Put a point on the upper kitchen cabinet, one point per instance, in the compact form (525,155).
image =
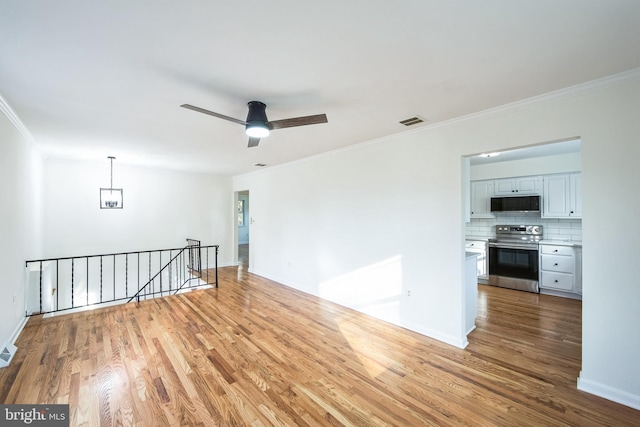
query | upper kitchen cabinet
(575,194)
(481,193)
(562,196)
(518,186)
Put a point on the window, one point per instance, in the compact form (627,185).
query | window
(240,213)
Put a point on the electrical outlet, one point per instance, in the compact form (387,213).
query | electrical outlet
(409,293)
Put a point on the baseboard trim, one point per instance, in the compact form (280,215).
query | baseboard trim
(436,335)
(18,330)
(610,393)
(8,349)
(227,264)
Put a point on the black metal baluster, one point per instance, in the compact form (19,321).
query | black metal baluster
(113,297)
(146,291)
(216,266)
(126,276)
(160,265)
(87,281)
(72,287)
(40,286)
(57,287)
(100,278)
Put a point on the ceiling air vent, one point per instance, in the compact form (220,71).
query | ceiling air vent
(412,121)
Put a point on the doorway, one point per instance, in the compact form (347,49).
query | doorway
(243,222)
(481,174)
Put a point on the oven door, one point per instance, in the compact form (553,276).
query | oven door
(513,261)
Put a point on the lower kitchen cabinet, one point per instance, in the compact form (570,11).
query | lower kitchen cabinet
(561,270)
(479,247)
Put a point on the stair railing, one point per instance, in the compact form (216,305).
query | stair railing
(59,284)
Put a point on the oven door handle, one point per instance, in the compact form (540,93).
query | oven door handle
(513,246)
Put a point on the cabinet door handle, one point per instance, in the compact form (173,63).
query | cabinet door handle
(555,250)
(555,263)
(556,280)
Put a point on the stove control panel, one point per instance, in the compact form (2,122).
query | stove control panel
(518,230)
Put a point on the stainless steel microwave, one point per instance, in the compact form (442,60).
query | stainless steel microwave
(515,204)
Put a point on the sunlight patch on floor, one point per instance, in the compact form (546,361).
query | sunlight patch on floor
(375,290)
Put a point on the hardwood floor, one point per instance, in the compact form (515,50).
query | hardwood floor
(254,352)
(243,255)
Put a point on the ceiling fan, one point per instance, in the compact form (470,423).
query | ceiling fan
(257,126)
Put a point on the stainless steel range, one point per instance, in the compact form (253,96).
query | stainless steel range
(513,257)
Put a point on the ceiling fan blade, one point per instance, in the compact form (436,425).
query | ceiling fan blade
(211,113)
(253,142)
(298,121)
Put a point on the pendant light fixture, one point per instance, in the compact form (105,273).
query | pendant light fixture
(111,198)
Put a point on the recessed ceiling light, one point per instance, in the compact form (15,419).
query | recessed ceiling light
(488,154)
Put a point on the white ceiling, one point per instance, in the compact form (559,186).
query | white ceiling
(91,79)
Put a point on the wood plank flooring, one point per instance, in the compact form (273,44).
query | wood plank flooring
(254,352)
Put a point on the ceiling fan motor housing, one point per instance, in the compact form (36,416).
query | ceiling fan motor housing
(257,115)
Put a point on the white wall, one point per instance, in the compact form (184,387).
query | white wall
(19,223)
(353,227)
(364,226)
(161,209)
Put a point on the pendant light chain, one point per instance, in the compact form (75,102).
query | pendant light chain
(111,158)
(111,198)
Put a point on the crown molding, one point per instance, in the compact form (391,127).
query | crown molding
(14,119)
(579,89)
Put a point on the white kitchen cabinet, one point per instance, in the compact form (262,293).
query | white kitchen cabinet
(562,196)
(560,270)
(575,195)
(526,185)
(481,193)
(479,247)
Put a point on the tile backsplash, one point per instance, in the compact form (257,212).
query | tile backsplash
(554,229)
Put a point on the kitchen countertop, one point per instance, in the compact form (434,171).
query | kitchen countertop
(478,238)
(574,243)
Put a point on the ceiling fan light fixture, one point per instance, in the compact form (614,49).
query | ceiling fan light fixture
(257,130)
(257,125)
